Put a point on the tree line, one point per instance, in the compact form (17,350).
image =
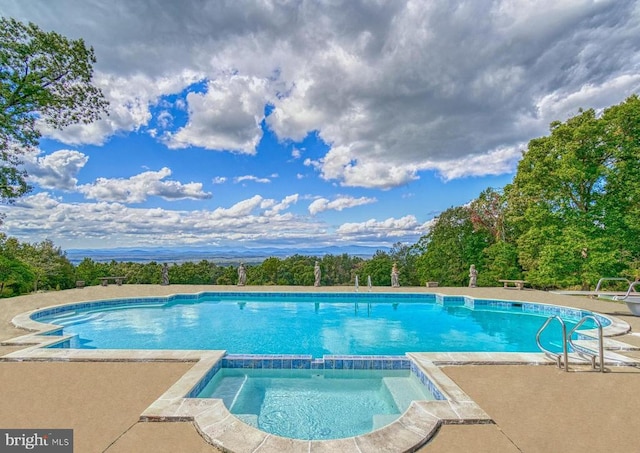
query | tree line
(25,268)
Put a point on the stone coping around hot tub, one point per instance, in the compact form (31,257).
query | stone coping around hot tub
(218,426)
(612,326)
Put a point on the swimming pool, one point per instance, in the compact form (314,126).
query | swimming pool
(315,324)
(153,328)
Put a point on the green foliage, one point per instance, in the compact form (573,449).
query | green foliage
(88,271)
(270,269)
(450,248)
(339,269)
(43,77)
(378,267)
(488,214)
(501,260)
(299,270)
(15,277)
(574,203)
(227,277)
(188,273)
(47,266)
(406,257)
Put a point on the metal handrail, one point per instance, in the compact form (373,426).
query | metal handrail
(600,341)
(565,354)
(610,278)
(631,286)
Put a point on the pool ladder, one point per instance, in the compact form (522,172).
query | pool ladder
(562,360)
(604,279)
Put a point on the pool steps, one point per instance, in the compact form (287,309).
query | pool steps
(229,389)
(249,419)
(380,420)
(397,387)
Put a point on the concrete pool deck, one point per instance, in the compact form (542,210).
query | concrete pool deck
(534,408)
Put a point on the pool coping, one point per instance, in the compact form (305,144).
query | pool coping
(413,429)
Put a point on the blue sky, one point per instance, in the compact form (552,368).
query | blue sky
(309,123)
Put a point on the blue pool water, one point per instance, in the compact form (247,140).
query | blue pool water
(316,404)
(313,324)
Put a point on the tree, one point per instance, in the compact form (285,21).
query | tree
(450,247)
(44,77)
(622,204)
(228,276)
(49,265)
(298,270)
(573,204)
(270,268)
(339,269)
(501,260)
(378,268)
(14,276)
(88,272)
(487,213)
(406,256)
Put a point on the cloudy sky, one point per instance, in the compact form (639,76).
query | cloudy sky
(283,123)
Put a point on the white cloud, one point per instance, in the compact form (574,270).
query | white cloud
(407,226)
(139,187)
(58,170)
(339,163)
(165,119)
(241,209)
(338,204)
(130,98)
(562,105)
(41,201)
(256,220)
(219,180)
(286,202)
(226,117)
(238,179)
(115,224)
(495,162)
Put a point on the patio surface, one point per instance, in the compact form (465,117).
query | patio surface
(535,408)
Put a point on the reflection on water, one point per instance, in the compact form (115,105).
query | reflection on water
(304,326)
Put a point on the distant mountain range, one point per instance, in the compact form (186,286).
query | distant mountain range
(220,255)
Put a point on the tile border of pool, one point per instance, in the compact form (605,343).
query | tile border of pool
(220,428)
